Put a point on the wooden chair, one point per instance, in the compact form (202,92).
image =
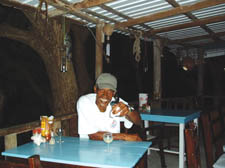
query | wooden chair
(32,162)
(192,146)
(183,103)
(214,133)
(157,139)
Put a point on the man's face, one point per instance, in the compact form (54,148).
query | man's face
(103,97)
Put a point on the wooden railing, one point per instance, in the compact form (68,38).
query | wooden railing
(10,133)
(178,103)
(191,102)
(213,127)
(170,103)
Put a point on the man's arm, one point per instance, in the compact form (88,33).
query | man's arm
(134,117)
(116,136)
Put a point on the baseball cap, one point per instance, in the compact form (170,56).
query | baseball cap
(106,80)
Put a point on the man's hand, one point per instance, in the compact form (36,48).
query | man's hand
(121,109)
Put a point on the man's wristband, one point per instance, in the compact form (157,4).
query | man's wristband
(130,109)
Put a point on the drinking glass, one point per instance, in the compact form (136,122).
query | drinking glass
(59,132)
(108,138)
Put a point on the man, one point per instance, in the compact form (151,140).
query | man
(94,118)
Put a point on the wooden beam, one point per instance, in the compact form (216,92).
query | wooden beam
(90,3)
(187,25)
(56,12)
(70,9)
(79,6)
(169,13)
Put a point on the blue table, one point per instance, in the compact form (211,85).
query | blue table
(220,163)
(180,117)
(83,152)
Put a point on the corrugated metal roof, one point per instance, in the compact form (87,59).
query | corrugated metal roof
(184,22)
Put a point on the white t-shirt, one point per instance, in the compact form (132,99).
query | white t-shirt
(91,120)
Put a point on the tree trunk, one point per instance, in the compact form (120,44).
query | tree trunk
(47,41)
(80,35)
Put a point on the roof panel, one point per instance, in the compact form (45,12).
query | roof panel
(203,41)
(184,33)
(217,27)
(169,21)
(139,8)
(211,11)
(146,8)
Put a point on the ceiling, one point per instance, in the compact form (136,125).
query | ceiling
(187,24)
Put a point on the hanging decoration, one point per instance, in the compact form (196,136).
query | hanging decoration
(68,45)
(40,11)
(145,60)
(63,57)
(137,46)
(108,30)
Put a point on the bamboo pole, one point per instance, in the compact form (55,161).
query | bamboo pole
(99,50)
(200,72)
(157,70)
(10,141)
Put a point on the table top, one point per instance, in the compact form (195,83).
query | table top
(170,116)
(84,152)
(220,163)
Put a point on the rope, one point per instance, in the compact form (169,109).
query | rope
(137,46)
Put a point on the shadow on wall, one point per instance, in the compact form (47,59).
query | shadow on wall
(24,84)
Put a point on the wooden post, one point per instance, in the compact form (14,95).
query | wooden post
(200,72)
(157,70)
(10,141)
(99,50)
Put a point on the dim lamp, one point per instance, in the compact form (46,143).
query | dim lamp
(188,63)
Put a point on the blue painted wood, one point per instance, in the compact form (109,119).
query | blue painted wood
(220,163)
(76,151)
(170,116)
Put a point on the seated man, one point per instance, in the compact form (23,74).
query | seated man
(94,118)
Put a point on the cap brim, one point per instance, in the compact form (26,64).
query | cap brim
(106,86)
